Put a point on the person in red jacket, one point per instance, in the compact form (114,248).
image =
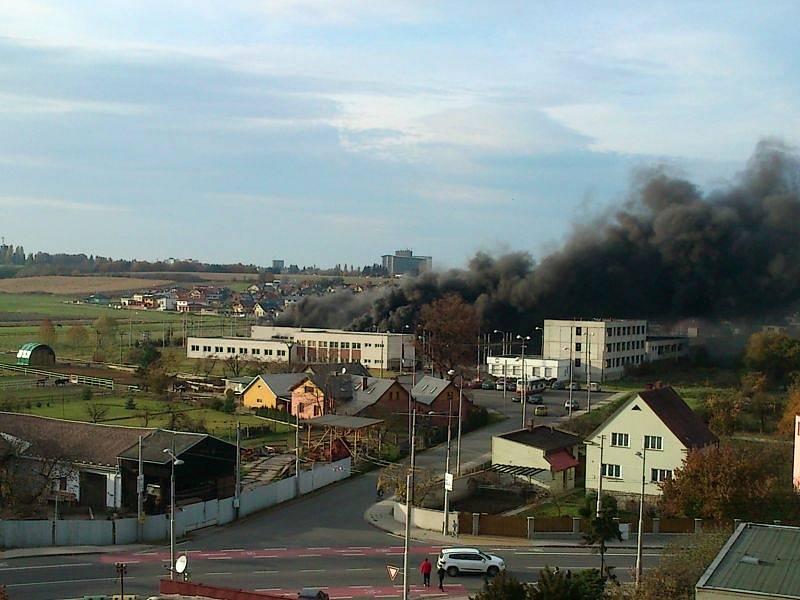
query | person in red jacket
(425,568)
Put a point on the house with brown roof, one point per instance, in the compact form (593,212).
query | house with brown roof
(543,455)
(97,465)
(656,426)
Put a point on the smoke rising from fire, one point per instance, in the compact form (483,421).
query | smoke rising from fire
(668,252)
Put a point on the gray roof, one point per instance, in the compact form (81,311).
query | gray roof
(544,437)
(428,389)
(154,443)
(246,380)
(326,369)
(771,571)
(281,383)
(365,396)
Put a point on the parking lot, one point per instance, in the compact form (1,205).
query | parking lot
(553,399)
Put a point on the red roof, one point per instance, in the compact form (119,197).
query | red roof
(561,460)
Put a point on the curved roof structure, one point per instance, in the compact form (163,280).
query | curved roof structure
(26,350)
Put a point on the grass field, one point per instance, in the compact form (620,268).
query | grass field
(57,284)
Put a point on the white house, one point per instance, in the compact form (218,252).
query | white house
(509,365)
(655,422)
(546,456)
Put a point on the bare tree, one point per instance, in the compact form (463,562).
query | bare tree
(96,412)
(234,366)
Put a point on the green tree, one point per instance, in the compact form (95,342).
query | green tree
(47,333)
(601,528)
(724,409)
(78,336)
(229,405)
(86,394)
(774,354)
(555,584)
(502,587)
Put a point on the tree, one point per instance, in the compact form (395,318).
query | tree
(720,482)
(47,333)
(792,409)
(603,528)
(144,356)
(724,409)
(106,328)
(502,587)
(229,405)
(774,354)
(233,366)
(555,584)
(78,336)
(451,329)
(682,563)
(96,412)
(86,394)
(759,402)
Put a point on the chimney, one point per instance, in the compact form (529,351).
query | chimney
(364,383)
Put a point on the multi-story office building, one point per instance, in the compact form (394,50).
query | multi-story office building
(374,350)
(598,350)
(403,262)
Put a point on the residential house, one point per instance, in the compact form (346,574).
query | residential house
(326,369)
(757,562)
(432,394)
(96,465)
(314,395)
(271,390)
(375,397)
(237,384)
(544,455)
(657,422)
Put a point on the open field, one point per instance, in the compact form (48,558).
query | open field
(57,284)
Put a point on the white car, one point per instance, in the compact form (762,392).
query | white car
(574,403)
(469,560)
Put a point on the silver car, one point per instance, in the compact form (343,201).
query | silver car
(469,560)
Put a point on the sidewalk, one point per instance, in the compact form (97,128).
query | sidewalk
(70,550)
(380,515)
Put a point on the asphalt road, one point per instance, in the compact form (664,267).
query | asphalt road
(320,540)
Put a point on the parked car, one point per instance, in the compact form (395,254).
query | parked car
(571,404)
(475,384)
(559,385)
(540,410)
(535,399)
(511,386)
(469,560)
(594,387)
(574,386)
(488,384)
(500,384)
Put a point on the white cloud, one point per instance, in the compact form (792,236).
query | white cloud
(22,104)
(57,204)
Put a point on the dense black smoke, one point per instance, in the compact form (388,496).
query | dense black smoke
(669,252)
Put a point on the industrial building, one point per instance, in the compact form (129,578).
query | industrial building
(403,262)
(247,349)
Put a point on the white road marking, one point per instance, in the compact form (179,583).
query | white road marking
(318,548)
(360,569)
(263,572)
(233,550)
(309,555)
(353,554)
(312,570)
(64,581)
(220,573)
(219,557)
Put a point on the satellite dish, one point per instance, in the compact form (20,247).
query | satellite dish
(180,564)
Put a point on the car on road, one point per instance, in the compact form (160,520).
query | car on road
(594,387)
(571,404)
(469,560)
(535,399)
(540,410)
(574,386)
(511,386)
(488,384)
(559,385)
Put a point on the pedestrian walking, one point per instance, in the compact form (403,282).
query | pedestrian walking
(441,573)
(425,568)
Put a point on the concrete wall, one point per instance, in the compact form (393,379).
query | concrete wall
(425,518)
(33,534)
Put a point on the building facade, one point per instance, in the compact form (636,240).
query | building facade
(391,351)
(536,367)
(658,347)
(403,262)
(655,422)
(246,349)
(599,350)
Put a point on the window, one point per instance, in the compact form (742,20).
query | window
(577,362)
(610,332)
(608,363)
(307,389)
(356,345)
(256,351)
(620,439)
(206,348)
(345,345)
(578,330)
(281,352)
(231,350)
(577,346)
(195,348)
(659,475)
(334,344)
(323,344)
(612,471)
(242,350)
(652,442)
(268,352)
(218,349)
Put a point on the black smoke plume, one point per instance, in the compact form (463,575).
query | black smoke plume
(668,252)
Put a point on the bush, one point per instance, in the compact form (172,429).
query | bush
(130,403)
(87,394)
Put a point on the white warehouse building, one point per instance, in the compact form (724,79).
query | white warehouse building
(247,349)
(511,365)
(382,350)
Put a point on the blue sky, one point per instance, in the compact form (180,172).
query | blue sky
(324,131)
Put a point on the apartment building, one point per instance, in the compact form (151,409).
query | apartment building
(663,347)
(598,349)
(247,349)
(373,350)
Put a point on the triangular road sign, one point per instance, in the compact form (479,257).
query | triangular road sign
(393,571)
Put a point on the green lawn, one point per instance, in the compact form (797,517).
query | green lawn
(565,506)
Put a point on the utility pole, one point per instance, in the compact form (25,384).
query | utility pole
(409,495)
(589,370)
(458,439)
(600,477)
(140,490)
(642,454)
(237,492)
(447,472)
(571,328)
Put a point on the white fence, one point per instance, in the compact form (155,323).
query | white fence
(34,534)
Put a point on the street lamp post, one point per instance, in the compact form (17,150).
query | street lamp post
(570,376)
(641,455)
(524,391)
(176,462)
(451,372)
(409,494)
(589,336)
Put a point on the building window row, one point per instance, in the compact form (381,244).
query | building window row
(622,361)
(623,346)
(625,330)
(610,470)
